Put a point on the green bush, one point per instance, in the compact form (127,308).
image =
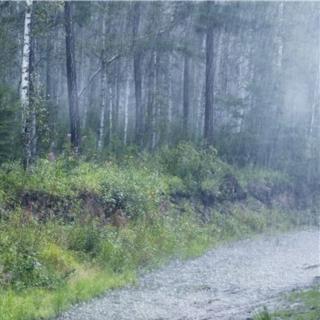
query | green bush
(266,177)
(85,238)
(9,125)
(114,255)
(136,190)
(197,168)
(21,263)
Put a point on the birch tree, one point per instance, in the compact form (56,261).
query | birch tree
(25,87)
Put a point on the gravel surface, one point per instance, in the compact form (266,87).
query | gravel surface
(226,283)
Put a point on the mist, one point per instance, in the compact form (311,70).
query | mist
(264,83)
(135,133)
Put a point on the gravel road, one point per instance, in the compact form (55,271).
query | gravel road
(229,282)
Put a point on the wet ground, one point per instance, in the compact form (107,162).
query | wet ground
(230,282)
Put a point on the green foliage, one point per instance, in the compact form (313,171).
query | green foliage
(84,238)
(264,315)
(301,305)
(21,263)
(44,304)
(264,176)
(42,110)
(47,264)
(136,190)
(197,168)
(186,162)
(9,128)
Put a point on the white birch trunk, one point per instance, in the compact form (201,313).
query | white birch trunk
(25,86)
(25,66)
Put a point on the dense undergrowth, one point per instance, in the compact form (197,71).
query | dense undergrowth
(71,229)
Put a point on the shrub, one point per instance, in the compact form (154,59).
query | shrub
(20,256)
(62,261)
(266,177)
(197,168)
(136,191)
(85,238)
(8,124)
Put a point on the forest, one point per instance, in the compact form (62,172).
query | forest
(133,132)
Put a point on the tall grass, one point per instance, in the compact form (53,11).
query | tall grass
(48,262)
(75,271)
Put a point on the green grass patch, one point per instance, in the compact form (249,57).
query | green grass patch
(39,303)
(302,305)
(59,264)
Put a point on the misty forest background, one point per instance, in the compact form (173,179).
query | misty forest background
(241,76)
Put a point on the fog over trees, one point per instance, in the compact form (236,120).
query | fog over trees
(101,77)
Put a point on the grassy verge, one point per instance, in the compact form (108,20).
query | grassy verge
(66,264)
(59,244)
(302,305)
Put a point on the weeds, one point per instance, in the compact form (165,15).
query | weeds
(301,305)
(264,315)
(48,261)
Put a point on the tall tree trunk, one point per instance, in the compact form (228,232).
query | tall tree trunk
(149,134)
(170,98)
(313,138)
(102,106)
(208,117)
(186,95)
(72,79)
(137,57)
(52,117)
(117,92)
(199,97)
(126,111)
(110,112)
(103,88)
(157,102)
(26,86)
(186,83)
(278,75)
(33,94)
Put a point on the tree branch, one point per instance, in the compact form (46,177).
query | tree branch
(93,76)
